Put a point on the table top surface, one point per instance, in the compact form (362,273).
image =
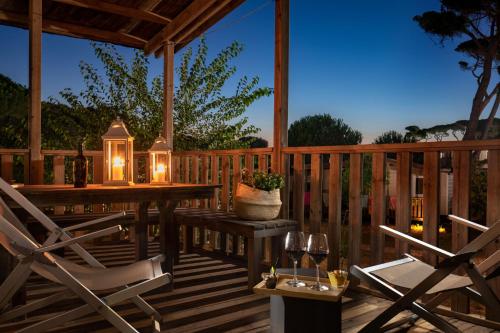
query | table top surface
(101,187)
(97,193)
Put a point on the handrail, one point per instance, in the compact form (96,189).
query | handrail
(398,147)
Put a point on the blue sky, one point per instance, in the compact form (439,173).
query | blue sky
(363,61)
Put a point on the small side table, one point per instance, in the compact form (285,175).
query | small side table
(295,313)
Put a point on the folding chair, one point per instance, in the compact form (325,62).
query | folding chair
(79,280)
(416,278)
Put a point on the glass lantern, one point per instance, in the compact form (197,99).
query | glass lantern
(160,161)
(118,154)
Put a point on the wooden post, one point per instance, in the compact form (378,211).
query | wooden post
(316,194)
(403,203)
(281,46)
(461,162)
(168,92)
(35,87)
(378,213)
(334,211)
(431,201)
(355,212)
(493,213)
(298,190)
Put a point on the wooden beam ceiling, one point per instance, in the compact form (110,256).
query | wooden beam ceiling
(78,31)
(108,7)
(181,21)
(148,5)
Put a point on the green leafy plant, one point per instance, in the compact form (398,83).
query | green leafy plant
(262,181)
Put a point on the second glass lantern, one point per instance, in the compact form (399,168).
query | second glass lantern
(160,161)
(118,154)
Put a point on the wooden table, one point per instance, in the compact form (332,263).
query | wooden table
(298,312)
(166,197)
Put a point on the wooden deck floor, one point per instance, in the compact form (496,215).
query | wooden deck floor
(210,296)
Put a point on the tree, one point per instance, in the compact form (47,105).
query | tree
(393,137)
(322,130)
(476,21)
(204,117)
(254,142)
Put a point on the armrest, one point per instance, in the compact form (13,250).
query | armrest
(97,221)
(91,235)
(467,223)
(417,242)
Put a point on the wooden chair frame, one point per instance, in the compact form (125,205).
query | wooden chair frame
(408,300)
(10,224)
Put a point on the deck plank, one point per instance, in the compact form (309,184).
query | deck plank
(210,295)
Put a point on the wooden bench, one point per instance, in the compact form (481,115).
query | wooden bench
(228,222)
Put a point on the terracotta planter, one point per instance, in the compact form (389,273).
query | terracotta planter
(257,205)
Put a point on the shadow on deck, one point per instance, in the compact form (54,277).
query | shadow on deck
(210,296)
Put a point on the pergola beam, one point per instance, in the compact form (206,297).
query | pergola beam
(148,5)
(77,31)
(281,51)
(181,21)
(108,7)
(35,87)
(168,93)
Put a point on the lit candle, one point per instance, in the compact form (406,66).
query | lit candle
(160,173)
(118,164)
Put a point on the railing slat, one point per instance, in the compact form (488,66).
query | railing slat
(335,210)
(225,183)
(355,212)
(195,175)
(7,167)
(378,214)
(263,163)
(176,175)
(204,178)
(58,168)
(431,201)
(214,160)
(461,162)
(493,211)
(298,190)
(316,194)
(249,162)
(403,199)
(236,174)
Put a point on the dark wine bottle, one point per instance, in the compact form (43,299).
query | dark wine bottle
(80,168)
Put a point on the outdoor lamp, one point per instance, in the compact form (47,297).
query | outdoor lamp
(118,154)
(159,161)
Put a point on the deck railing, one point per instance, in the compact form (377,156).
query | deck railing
(325,187)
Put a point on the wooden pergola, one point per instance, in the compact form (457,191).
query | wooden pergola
(159,27)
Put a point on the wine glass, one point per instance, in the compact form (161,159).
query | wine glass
(295,247)
(317,248)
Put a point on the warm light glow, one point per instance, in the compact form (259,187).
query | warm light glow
(118,164)
(417,228)
(159,174)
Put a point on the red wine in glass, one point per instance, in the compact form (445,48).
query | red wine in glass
(295,247)
(317,248)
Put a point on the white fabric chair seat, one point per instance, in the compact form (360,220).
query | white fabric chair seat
(409,275)
(95,278)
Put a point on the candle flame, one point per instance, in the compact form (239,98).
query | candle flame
(118,161)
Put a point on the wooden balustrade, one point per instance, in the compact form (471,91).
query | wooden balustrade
(317,179)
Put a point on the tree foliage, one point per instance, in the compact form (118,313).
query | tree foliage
(204,117)
(393,137)
(476,24)
(254,142)
(322,130)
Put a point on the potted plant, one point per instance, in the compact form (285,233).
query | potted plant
(258,196)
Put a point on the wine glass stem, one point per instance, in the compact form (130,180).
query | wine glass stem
(317,275)
(295,271)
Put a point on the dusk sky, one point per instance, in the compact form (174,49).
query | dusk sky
(363,61)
